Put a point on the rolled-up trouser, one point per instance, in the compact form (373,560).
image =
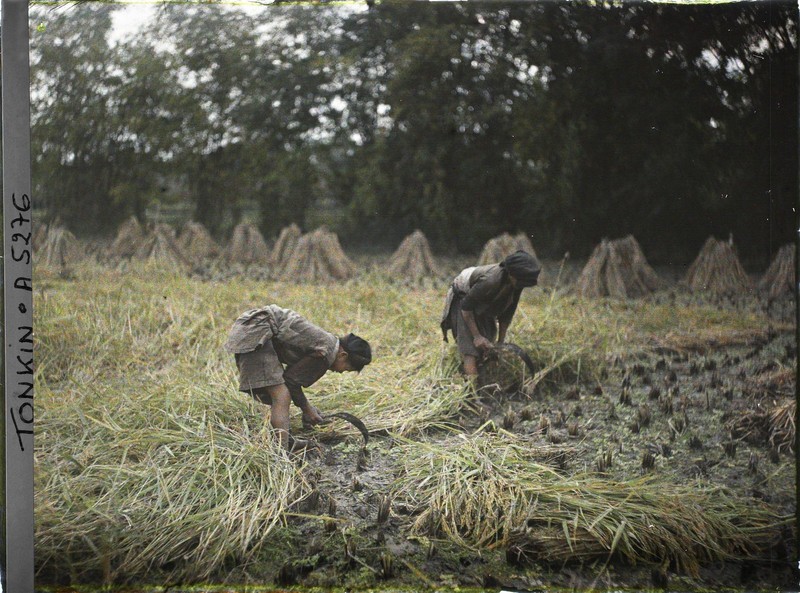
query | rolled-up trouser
(258,369)
(262,368)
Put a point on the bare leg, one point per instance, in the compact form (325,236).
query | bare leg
(279,417)
(471,367)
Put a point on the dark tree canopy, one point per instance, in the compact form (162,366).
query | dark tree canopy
(569,121)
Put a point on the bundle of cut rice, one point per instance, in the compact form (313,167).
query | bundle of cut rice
(779,278)
(161,247)
(39,234)
(247,246)
(318,256)
(196,243)
(129,238)
(284,246)
(59,249)
(490,492)
(717,270)
(618,269)
(497,248)
(413,259)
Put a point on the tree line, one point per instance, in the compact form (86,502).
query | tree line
(568,121)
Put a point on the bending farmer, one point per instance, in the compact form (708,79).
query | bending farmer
(483,298)
(265,339)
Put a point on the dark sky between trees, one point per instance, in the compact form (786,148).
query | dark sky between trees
(568,121)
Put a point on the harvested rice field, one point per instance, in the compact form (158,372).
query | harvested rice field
(652,448)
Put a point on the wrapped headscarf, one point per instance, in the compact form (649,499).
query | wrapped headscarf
(358,351)
(523,267)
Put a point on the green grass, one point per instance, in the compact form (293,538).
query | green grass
(148,459)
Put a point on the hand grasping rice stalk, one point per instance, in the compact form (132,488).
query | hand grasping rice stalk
(481,302)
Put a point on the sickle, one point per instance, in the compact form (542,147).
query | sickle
(519,352)
(352,420)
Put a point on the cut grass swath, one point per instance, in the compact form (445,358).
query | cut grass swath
(488,492)
(136,489)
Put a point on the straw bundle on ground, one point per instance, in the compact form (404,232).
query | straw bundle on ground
(496,249)
(717,270)
(129,238)
(59,249)
(772,427)
(503,370)
(285,244)
(617,269)
(781,426)
(247,246)
(196,243)
(779,278)
(318,256)
(413,259)
(161,247)
(488,491)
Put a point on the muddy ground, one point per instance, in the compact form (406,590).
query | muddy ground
(678,412)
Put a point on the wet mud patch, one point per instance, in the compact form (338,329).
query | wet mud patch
(669,413)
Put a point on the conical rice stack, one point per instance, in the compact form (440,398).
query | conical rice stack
(318,257)
(39,235)
(717,270)
(523,242)
(498,248)
(129,238)
(196,243)
(617,269)
(60,248)
(161,247)
(285,245)
(780,277)
(702,257)
(413,259)
(247,246)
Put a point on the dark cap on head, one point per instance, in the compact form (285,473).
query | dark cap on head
(523,267)
(358,351)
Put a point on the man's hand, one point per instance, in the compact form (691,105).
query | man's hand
(482,343)
(312,417)
(296,444)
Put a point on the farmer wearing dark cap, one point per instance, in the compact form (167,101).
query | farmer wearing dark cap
(263,340)
(481,303)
